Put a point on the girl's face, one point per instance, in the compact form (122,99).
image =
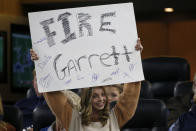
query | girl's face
(113,93)
(98,99)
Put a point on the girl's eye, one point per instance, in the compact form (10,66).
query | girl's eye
(103,94)
(114,95)
(94,96)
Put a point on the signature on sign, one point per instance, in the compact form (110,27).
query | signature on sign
(44,62)
(45,81)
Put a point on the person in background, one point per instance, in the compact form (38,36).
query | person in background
(177,105)
(4,126)
(187,121)
(27,105)
(113,92)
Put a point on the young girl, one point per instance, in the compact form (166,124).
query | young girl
(94,114)
(113,92)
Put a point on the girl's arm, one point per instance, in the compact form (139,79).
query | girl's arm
(127,103)
(57,101)
(58,104)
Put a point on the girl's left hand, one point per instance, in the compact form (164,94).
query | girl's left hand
(138,46)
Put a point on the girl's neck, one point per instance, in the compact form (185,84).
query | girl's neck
(95,116)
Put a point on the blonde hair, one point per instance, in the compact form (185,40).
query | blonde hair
(117,86)
(87,109)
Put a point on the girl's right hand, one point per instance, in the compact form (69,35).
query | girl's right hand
(33,55)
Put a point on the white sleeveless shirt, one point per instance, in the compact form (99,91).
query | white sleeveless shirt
(76,124)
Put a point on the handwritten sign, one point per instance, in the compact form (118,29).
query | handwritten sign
(85,47)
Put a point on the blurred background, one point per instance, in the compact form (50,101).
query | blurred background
(166,28)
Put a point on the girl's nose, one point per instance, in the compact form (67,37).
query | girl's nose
(109,99)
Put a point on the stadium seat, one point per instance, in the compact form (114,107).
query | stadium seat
(30,93)
(13,115)
(42,117)
(146,91)
(151,115)
(163,73)
(183,88)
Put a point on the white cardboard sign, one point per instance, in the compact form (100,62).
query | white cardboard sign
(85,47)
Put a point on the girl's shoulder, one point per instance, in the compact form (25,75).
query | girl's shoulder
(76,113)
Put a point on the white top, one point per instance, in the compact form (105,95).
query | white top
(76,124)
(97,126)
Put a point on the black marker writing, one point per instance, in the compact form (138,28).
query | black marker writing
(89,59)
(115,55)
(107,79)
(55,67)
(75,65)
(82,18)
(103,57)
(78,61)
(110,14)
(71,66)
(49,34)
(127,53)
(68,35)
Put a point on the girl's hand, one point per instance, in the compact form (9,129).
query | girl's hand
(138,46)
(33,55)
